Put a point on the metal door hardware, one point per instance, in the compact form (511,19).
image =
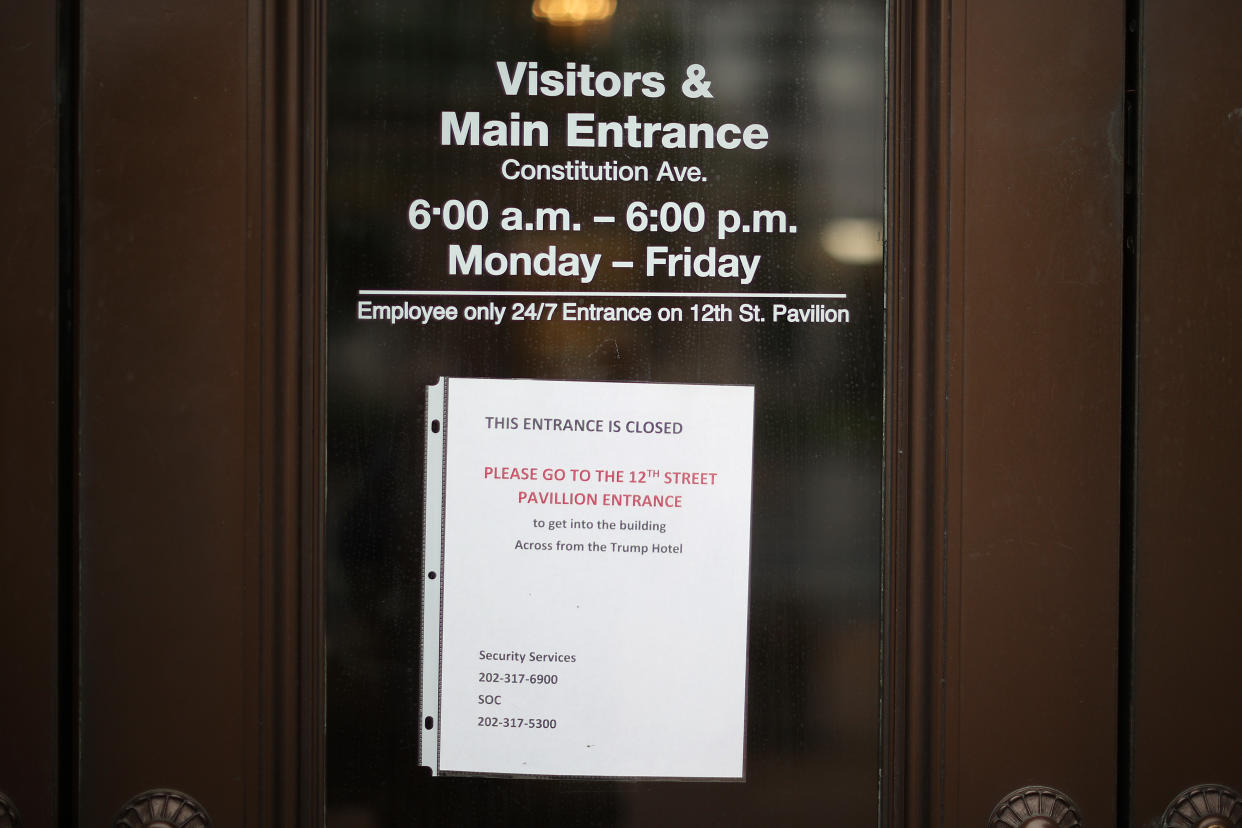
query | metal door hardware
(162,809)
(1204,806)
(9,817)
(1035,806)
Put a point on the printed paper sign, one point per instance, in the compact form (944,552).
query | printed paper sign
(587,576)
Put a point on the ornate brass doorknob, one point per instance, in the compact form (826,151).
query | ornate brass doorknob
(1035,806)
(1204,806)
(162,809)
(9,817)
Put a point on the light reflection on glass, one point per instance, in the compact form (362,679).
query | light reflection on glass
(573,12)
(855,241)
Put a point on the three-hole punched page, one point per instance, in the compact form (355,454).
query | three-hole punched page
(586,579)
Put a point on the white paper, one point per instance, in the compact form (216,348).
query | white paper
(590,544)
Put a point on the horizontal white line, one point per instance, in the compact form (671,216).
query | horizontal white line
(622,264)
(603,294)
(604,219)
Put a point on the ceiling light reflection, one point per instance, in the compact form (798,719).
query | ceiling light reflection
(855,241)
(573,12)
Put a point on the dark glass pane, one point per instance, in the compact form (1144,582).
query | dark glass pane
(812,73)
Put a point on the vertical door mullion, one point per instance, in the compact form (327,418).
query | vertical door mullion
(1187,566)
(30,408)
(1025,552)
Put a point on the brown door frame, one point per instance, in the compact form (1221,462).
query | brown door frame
(1183,621)
(1006,409)
(30,414)
(186,358)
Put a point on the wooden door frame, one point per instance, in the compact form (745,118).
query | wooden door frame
(990,99)
(31,475)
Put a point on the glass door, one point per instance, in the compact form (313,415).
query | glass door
(559,216)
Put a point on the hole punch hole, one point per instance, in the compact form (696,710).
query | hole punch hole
(435,426)
(431,575)
(429,723)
